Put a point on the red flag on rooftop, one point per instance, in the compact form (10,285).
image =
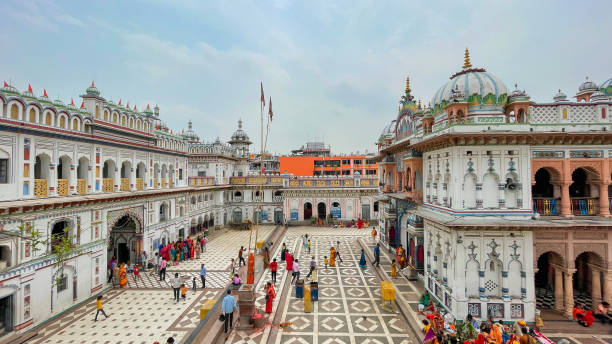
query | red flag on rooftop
(5,84)
(82,104)
(119,101)
(270,109)
(92,84)
(263,99)
(29,88)
(71,101)
(45,93)
(135,108)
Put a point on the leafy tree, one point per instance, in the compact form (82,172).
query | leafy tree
(62,247)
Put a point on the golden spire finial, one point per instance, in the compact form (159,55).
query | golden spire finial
(407,85)
(466,61)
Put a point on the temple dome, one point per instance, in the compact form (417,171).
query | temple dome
(606,87)
(587,85)
(239,136)
(474,85)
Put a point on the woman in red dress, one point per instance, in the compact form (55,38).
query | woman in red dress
(270,295)
(289,261)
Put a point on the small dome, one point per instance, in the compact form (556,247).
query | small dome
(468,83)
(560,97)
(587,85)
(388,130)
(239,136)
(606,87)
(189,134)
(92,90)
(516,93)
(598,95)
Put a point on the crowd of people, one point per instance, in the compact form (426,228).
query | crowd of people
(443,329)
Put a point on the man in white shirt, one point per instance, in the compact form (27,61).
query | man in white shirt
(296,271)
(176,286)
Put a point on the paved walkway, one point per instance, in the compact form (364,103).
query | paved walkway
(348,310)
(144,311)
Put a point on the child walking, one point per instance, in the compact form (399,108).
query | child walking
(325,261)
(183,292)
(99,307)
(194,285)
(136,272)
(393,268)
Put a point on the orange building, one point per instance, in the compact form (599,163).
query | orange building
(345,165)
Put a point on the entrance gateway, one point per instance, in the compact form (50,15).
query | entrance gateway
(125,240)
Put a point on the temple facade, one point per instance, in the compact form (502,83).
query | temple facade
(116,181)
(502,203)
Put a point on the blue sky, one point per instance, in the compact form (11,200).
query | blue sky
(335,69)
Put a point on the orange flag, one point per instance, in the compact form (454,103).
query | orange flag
(270,109)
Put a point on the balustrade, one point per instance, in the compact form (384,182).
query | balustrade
(584,206)
(125,184)
(62,187)
(41,188)
(139,184)
(81,186)
(546,206)
(107,185)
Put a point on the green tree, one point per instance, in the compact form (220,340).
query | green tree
(62,247)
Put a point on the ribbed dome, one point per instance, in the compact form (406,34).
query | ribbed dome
(587,85)
(388,130)
(469,83)
(606,87)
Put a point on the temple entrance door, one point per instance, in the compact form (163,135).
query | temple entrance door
(321,210)
(6,314)
(307,210)
(125,242)
(278,217)
(123,253)
(365,212)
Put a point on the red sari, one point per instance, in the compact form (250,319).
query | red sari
(289,261)
(271,293)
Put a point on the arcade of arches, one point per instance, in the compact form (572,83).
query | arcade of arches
(571,187)
(560,283)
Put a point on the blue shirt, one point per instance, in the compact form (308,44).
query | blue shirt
(229,304)
(377,251)
(203,272)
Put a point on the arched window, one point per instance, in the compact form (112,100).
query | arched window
(62,122)
(163,212)
(14,111)
(75,124)
(32,116)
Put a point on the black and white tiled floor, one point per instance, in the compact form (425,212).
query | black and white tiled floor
(349,308)
(545,299)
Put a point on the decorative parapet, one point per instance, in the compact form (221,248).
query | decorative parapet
(197,181)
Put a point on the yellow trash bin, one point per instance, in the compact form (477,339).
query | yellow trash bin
(307,300)
(387,291)
(206,307)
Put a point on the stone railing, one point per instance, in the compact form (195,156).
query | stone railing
(41,188)
(107,185)
(546,206)
(139,184)
(81,186)
(125,184)
(585,206)
(196,181)
(62,187)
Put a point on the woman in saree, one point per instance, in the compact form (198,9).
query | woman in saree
(122,276)
(332,256)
